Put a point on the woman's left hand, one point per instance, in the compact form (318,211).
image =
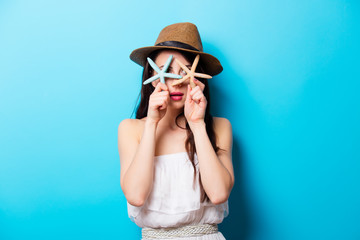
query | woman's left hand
(195,104)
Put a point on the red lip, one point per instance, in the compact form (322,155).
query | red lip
(176,94)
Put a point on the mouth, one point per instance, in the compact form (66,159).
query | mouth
(176,96)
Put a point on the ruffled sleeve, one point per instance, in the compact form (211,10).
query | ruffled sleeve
(133,211)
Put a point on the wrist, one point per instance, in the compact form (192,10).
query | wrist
(151,123)
(197,126)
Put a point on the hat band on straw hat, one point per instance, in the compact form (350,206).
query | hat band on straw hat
(177,44)
(183,37)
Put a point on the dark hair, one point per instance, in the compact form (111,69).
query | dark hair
(142,109)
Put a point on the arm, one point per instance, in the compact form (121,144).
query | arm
(136,159)
(217,174)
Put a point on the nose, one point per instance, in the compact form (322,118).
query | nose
(170,81)
(178,85)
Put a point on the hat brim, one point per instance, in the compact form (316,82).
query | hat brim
(211,64)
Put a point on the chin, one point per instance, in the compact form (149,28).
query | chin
(177,105)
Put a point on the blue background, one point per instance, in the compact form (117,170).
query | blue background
(290,88)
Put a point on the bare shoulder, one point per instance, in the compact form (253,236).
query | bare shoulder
(221,124)
(129,123)
(131,127)
(129,134)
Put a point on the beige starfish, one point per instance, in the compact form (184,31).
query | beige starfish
(190,73)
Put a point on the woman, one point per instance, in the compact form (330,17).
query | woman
(176,166)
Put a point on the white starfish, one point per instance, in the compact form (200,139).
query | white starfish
(161,73)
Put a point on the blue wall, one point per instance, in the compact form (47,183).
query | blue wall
(290,87)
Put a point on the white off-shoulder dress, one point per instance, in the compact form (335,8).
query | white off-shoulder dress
(175,199)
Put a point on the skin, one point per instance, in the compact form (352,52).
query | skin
(139,140)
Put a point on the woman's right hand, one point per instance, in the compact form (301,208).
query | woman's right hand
(158,102)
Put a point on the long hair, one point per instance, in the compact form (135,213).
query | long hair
(142,109)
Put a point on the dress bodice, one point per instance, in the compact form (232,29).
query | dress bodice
(175,198)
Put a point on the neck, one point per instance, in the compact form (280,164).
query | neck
(169,120)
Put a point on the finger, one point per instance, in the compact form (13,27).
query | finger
(164,104)
(192,84)
(159,99)
(198,95)
(159,96)
(198,98)
(200,84)
(195,90)
(156,99)
(160,103)
(164,93)
(162,98)
(157,87)
(156,103)
(188,94)
(163,86)
(160,87)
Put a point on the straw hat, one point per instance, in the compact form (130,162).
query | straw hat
(179,36)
